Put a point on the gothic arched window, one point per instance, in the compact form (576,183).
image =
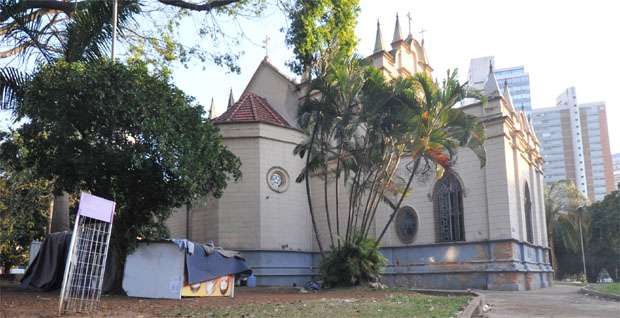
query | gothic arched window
(528,215)
(448,197)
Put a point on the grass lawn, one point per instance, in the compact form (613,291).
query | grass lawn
(390,305)
(609,288)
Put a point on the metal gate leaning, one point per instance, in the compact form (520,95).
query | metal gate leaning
(88,252)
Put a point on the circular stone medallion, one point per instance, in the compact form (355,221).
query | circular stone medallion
(406,224)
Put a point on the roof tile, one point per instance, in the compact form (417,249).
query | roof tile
(251,108)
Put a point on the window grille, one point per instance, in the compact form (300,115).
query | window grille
(449,209)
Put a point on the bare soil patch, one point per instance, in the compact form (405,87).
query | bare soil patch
(17,302)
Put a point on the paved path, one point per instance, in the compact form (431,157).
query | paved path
(557,301)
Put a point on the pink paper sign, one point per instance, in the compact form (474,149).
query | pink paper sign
(96,207)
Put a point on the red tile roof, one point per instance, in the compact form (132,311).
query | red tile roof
(251,108)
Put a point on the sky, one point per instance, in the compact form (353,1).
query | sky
(560,43)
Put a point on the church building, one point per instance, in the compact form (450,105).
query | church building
(474,228)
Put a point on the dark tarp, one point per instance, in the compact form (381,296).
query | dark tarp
(48,267)
(201,266)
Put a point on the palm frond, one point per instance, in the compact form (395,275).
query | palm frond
(12,87)
(89,34)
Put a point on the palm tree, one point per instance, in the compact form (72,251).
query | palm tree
(436,128)
(361,126)
(84,35)
(563,203)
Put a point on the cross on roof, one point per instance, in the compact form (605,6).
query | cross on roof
(422,31)
(266,44)
(409,17)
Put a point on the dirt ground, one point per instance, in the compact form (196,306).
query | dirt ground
(16,302)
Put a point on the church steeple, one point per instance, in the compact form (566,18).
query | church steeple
(506,95)
(398,36)
(491,89)
(378,40)
(231,99)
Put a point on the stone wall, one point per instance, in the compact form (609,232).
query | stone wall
(495,265)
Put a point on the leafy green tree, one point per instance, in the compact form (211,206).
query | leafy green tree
(24,208)
(123,134)
(604,242)
(562,203)
(318,25)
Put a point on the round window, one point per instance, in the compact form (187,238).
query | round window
(406,224)
(277,179)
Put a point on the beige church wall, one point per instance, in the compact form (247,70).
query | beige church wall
(537,210)
(177,223)
(284,219)
(498,178)
(318,203)
(204,218)
(529,174)
(542,212)
(238,212)
(474,199)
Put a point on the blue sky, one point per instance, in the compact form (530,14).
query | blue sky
(560,43)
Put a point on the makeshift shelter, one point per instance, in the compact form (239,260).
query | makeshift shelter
(161,270)
(46,268)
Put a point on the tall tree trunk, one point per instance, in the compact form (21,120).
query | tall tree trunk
(327,214)
(554,260)
(309,194)
(59,217)
(338,194)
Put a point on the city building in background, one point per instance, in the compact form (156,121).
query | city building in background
(575,144)
(515,78)
(616,160)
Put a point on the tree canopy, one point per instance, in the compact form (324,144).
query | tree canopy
(317,25)
(121,133)
(43,30)
(24,208)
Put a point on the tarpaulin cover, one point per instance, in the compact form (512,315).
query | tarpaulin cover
(203,267)
(47,269)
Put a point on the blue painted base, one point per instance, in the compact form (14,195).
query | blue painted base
(497,265)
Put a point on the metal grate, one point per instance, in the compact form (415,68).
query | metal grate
(85,268)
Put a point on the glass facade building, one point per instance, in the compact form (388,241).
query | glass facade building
(516,78)
(518,82)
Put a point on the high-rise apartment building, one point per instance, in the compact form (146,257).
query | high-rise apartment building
(575,144)
(616,162)
(517,80)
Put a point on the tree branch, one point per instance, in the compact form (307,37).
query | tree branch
(65,6)
(206,6)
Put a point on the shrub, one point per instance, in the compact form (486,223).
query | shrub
(352,264)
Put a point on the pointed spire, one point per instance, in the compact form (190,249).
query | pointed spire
(506,94)
(378,39)
(491,89)
(211,109)
(231,99)
(397,34)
